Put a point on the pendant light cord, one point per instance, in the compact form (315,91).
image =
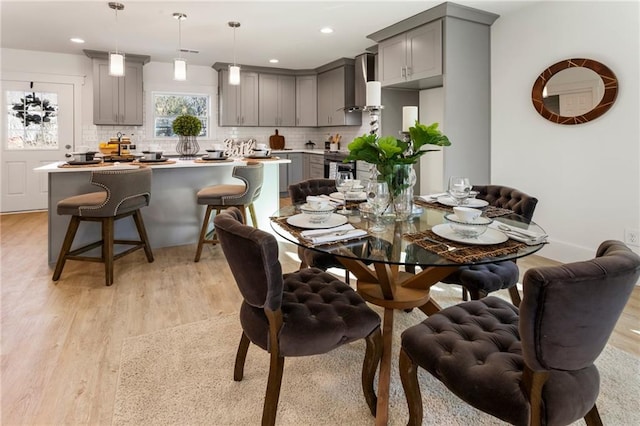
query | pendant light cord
(234,46)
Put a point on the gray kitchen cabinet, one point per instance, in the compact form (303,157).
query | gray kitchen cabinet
(313,166)
(292,172)
(336,90)
(117,100)
(277,97)
(238,105)
(413,55)
(306,101)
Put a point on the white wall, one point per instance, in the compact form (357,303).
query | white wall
(587,176)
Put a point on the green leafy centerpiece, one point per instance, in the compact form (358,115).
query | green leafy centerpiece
(388,153)
(187,127)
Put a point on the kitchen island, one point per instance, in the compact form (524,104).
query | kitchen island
(173,216)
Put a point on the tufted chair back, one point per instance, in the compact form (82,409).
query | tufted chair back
(560,302)
(252,255)
(299,191)
(507,198)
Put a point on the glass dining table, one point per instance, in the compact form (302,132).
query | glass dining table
(385,262)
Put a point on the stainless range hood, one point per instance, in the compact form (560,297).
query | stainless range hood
(365,66)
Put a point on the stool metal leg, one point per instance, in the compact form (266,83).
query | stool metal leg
(66,246)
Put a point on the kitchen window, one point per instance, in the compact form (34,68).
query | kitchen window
(167,106)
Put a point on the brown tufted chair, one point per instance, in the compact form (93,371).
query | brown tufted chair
(298,193)
(535,366)
(480,280)
(123,194)
(219,197)
(307,312)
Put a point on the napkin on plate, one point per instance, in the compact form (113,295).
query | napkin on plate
(338,233)
(533,239)
(431,198)
(333,201)
(315,199)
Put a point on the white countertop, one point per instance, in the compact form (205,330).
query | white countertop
(179,164)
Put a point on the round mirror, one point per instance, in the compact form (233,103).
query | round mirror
(574,91)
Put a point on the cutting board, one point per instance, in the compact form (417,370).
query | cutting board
(276,141)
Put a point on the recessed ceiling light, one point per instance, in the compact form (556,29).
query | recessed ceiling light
(326,30)
(77,40)
(274,61)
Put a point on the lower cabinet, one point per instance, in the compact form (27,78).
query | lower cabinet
(313,166)
(292,172)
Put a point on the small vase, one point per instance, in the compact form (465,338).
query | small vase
(187,146)
(401,183)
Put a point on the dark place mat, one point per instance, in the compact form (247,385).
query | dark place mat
(466,252)
(487,211)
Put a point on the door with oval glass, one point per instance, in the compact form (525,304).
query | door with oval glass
(37,129)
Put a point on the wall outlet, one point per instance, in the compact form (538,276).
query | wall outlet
(632,237)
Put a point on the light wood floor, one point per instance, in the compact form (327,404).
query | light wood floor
(61,342)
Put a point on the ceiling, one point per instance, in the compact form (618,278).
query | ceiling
(286,30)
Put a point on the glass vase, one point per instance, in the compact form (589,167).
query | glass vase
(401,183)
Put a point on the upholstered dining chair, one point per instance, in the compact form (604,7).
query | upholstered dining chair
(307,312)
(298,193)
(219,197)
(535,365)
(123,193)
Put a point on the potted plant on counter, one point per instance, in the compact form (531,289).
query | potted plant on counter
(187,127)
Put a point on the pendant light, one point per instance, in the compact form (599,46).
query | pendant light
(234,70)
(116,59)
(179,64)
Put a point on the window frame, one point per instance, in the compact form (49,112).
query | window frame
(206,119)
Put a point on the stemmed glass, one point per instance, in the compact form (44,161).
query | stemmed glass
(459,188)
(378,198)
(344,182)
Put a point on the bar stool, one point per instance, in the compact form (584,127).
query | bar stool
(124,193)
(220,197)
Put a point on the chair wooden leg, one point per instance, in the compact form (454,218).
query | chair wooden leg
(273,388)
(203,233)
(241,356)
(409,378)
(370,365)
(252,212)
(142,232)
(593,417)
(66,246)
(515,296)
(107,249)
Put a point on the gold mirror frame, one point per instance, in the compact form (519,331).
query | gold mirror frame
(610,90)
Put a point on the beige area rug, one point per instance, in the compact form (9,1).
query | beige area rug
(184,376)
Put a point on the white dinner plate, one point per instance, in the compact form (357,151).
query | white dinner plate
(302,221)
(339,196)
(492,236)
(447,200)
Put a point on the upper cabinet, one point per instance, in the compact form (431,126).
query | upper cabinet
(277,97)
(335,92)
(238,105)
(306,101)
(117,100)
(414,55)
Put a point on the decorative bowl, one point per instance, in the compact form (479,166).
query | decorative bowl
(468,229)
(317,215)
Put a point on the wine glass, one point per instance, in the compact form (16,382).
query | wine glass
(459,188)
(378,198)
(344,182)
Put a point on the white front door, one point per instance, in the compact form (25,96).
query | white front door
(37,129)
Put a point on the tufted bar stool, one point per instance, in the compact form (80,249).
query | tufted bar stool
(307,312)
(124,193)
(533,365)
(480,280)
(220,197)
